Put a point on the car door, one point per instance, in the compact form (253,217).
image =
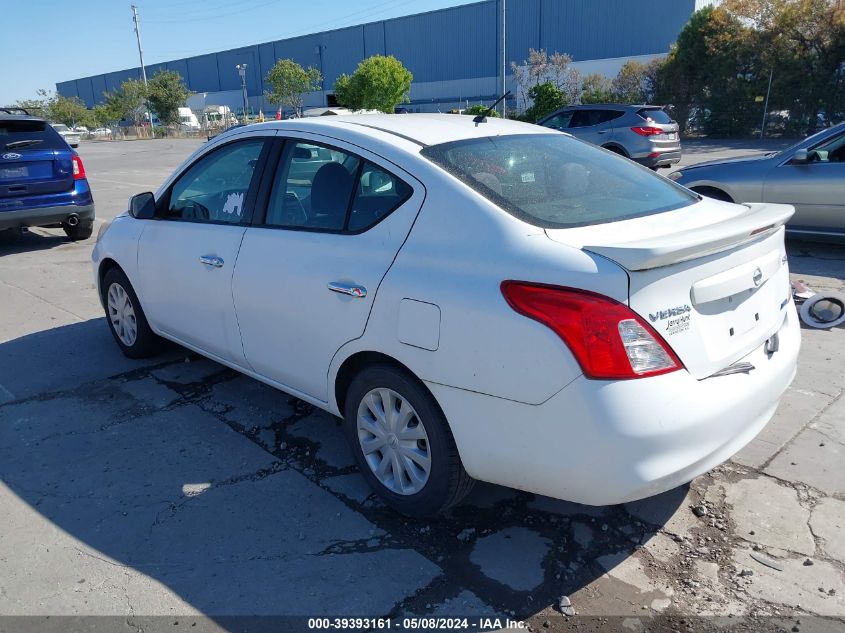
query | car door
(816,187)
(187,254)
(308,272)
(590,125)
(559,121)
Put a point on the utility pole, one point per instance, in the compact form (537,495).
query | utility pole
(766,105)
(241,68)
(141,56)
(504,60)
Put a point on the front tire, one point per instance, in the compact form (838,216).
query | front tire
(126,318)
(402,442)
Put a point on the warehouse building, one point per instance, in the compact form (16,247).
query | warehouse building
(455,54)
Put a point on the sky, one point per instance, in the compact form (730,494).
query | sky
(55,41)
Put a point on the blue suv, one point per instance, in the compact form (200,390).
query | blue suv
(42,180)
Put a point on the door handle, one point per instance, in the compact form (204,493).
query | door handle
(603,131)
(211,260)
(352,290)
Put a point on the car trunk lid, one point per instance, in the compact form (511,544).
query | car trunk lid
(25,172)
(711,278)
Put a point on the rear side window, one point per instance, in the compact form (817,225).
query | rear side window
(654,115)
(609,115)
(585,118)
(555,181)
(29,134)
(379,193)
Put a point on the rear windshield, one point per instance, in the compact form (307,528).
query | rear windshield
(29,134)
(654,115)
(556,181)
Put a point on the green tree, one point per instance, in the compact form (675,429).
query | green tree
(127,102)
(166,93)
(379,83)
(629,85)
(596,88)
(547,98)
(70,111)
(289,82)
(477,109)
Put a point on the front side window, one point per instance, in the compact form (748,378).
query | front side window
(214,189)
(323,188)
(831,151)
(558,121)
(555,181)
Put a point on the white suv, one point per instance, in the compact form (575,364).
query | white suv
(478,300)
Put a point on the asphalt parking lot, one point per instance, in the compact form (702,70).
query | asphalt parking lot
(177,487)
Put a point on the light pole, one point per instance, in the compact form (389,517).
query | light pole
(242,72)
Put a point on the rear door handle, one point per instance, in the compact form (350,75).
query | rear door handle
(353,290)
(211,260)
(603,131)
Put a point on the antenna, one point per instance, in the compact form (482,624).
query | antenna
(481,118)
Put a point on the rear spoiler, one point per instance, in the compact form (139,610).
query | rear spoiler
(761,219)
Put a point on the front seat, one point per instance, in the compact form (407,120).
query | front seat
(330,193)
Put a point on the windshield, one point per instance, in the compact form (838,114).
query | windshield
(812,140)
(556,181)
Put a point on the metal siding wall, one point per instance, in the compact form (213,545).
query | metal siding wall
(180,66)
(586,29)
(374,39)
(342,50)
(67,88)
(441,46)
(85,91)
(454,43)
(303,50)
(229,77)
(523,30)
(203,71)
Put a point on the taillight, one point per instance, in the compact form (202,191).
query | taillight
(608,339)
(78,168)
(647,130)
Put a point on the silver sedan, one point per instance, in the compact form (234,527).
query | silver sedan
(809,175)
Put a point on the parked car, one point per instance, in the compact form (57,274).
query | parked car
(71,138)
(479,301)
(809,175)
(643,133)
(101,132)
(42,180)
(81,129)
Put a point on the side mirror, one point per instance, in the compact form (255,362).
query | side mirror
(801,156)
(142,206)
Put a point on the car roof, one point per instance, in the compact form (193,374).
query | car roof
(420,129)
(19,117)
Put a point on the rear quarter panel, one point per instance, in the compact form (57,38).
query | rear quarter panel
(459,251)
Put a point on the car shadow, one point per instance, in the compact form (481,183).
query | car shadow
(13,241)
(243,501)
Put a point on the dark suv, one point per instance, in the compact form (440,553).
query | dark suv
(644,133)
(42,180)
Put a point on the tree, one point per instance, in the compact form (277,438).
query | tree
(596,88)
(541,67)
(379,83)
(547,98)
(125,103)
(477,109)
(629,85)
(70,111)
(166,93)
(289,82)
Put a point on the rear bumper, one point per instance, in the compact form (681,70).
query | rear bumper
(663,159)
(43,216)
(606,442)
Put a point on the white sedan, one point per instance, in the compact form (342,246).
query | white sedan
(478,300)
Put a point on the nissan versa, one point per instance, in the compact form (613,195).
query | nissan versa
(478,299)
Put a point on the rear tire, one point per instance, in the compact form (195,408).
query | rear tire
(391,413)
(616,150)
(126,318)
(81,231)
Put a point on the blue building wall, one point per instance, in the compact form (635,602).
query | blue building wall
(457,43)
